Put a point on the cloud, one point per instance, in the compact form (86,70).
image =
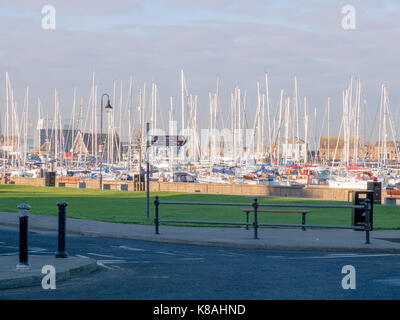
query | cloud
(236,40)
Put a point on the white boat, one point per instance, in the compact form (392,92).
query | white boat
(348,184)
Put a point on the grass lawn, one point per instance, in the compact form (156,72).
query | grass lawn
(130,207)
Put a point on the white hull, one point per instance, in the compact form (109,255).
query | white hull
(362,185)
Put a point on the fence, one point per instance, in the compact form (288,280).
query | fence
(255,204)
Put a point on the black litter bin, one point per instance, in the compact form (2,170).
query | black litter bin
(359,215)
(139,182)
(50,179)
(376,187)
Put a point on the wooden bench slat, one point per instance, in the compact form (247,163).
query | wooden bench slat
(303,215)
(277,211)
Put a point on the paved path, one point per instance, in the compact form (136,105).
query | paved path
(271,238)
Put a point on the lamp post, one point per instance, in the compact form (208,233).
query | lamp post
(108,107)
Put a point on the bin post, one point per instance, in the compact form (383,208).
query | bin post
(367,205)
(156,220)
(303,221)
(23,264)
(255,224)
(61,253)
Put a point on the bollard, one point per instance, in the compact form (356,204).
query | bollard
(303,221)
(255,224)
(61,253)
(367,220)
(156,220)
(23,264)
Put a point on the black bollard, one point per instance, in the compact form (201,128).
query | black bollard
(367,228)
(23,264)
(255,224)
(156,219)
(61,253)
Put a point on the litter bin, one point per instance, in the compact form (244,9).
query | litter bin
(376,187)
(50,179)
(138,182)
(359,215)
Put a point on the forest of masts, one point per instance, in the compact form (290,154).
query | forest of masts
(270,124)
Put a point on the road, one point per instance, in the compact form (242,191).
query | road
(131,269)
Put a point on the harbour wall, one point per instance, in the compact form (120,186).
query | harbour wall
(311,192)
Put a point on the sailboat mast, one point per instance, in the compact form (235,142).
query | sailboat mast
(305,130)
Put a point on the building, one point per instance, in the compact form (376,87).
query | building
(392,151)
(75,143)
(334,148)
(294,149)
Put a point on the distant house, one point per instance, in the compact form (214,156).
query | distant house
(56,141)
(92,142)
(391,151)
(294,149)
(334,148)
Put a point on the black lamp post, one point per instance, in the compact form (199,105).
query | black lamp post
(108,107)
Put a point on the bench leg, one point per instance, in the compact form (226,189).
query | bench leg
(303,221)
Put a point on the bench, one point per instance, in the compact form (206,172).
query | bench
(391,201)
(303,215)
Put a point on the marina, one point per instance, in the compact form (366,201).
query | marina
(196,150)
(265,151)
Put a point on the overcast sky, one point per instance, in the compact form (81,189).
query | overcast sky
(238,41)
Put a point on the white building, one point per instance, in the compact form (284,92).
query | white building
(294,149)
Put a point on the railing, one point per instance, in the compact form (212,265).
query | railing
(255,204)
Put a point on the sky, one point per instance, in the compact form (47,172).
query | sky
(236,41)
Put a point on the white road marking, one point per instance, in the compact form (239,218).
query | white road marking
(190,254)
(389,281)
(338,256)
(192,259)
(10,247)
(103,255)
(104,266)
(130,248)
(37,250)
(117,267)
(112,261)
(9,254)
(233,253)
(167,253)
(343,254)
(78,255)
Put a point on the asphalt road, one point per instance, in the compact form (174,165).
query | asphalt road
(131,269)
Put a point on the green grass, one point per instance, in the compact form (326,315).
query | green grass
(130,207)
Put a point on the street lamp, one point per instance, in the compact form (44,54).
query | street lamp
(108,107)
